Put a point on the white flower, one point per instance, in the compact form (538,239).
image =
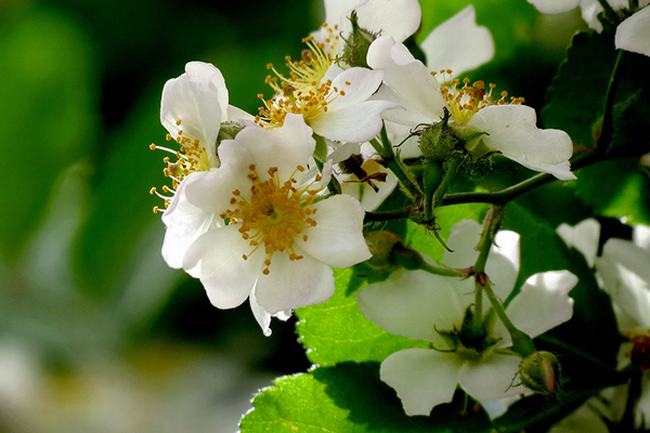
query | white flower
(274,239)
(633,34)
(507,126)
(397,18)
(428,307)
(583,237)
(625,274)
(193,107)
(337,108)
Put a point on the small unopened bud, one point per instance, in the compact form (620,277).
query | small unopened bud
(381,245)
(540,372)
(358,43)
(439,141)
(229,130)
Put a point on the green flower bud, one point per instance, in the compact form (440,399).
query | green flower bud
(438,142)
(229,130)
(358,43)
(381,245)
(540,372)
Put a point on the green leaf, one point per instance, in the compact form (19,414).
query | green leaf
(336,331)
(47,114)
(618,189)
(578,90)
(631,135)
(347,398)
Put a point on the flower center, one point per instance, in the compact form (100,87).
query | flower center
(464,101)
(640,354)
(274,213)
(302,90)
(191,156)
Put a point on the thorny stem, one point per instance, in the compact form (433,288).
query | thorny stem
(521,343)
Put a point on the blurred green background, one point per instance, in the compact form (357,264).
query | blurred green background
(96,333)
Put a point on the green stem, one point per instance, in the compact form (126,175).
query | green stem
(608,105)
(521,342)
(443,270)
(434,197)
(410,187)
(491,225)
(388,214)
(609,10)
(512,192)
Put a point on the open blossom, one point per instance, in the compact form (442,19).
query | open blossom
(623,273)
(273,237)
(623,268)
(193,107)
(633,34)
(334,102)
(489,123)
(422,306)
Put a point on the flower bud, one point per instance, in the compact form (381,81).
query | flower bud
(357,44)
(540,372)
(439,141)
(229,130)
(381,245)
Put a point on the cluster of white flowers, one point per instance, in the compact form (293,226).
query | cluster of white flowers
(261,207)
(622,268)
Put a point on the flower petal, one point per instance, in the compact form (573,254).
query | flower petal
(294,283)
(228,278)
(554,6)
(285,147)
(370,198)
(496,408)
(542,304)
(491,378)
(337,239)
(502,266)
(422,378)
(397,18)
(352,124)
(407,77)
(185,223)
(642,414)
(413,304)
(212,190)
(358,84)
(263,317)
(626,278)
(199,99)
(633,34)
(512,130)
(458,44)
(641,236)
(583,237)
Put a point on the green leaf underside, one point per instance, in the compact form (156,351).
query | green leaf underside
(348,398)
(336,331)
